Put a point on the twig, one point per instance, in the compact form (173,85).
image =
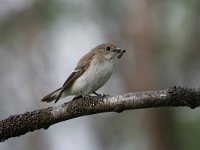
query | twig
(20,124)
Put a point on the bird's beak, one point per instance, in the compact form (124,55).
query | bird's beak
(118,50)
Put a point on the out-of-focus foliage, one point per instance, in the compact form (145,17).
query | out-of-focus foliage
(41,41)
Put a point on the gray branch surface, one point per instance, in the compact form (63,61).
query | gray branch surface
(20,124)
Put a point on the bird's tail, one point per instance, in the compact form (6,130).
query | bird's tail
(52,96)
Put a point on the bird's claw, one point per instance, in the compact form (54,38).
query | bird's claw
(102,95)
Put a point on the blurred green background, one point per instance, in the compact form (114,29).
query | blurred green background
(42,40)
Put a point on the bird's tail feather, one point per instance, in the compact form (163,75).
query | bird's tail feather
(52,96)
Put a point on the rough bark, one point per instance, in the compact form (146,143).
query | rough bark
(20,124)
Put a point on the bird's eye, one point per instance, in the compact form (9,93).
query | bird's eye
(108,48)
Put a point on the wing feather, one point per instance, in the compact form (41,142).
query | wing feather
(81,67)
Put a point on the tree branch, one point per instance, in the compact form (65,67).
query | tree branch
(20,124)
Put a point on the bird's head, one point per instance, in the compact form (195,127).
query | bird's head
(107,51)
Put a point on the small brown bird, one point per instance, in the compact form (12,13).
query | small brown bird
(91,73)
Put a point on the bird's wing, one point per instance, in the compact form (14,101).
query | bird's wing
(81,67)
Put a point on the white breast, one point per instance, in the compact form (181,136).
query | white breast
(93,79)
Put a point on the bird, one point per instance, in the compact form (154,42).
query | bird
(92,71)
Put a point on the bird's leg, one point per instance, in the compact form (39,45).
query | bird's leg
(96,94)
(81,96)
(77,97)
(103,95)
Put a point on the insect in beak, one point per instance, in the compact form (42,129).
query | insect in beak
(121,53)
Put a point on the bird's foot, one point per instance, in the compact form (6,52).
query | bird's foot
(96,94)
(105,95)
(102,95)
(77,97)
(81,96)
